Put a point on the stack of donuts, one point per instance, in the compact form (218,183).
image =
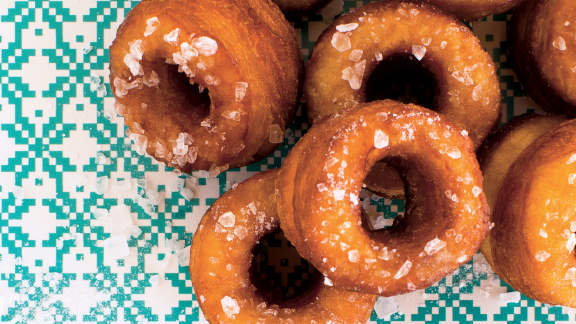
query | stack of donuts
(212,84)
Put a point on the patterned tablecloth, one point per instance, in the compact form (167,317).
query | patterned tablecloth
(93,231)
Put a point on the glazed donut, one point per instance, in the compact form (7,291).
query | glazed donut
(474,9)
(533,239)
(446,215)
(543,52)
(352,52)
(502,148)
(167,53)
(221,257)
(293,7)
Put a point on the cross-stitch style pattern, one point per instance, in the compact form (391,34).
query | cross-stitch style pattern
(92,231)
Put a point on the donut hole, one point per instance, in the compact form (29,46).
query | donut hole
(403,78)
(381,196)
(384,179)
(186,99)
(280,275)
(176,102)
(416,212)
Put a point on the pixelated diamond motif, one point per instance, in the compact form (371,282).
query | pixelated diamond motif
(66,164)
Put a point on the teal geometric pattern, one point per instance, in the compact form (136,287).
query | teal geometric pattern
(93,232)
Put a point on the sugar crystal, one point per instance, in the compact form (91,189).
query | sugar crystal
(230,306)
(172,37)
(404,269)
(418,51)
(151,25)
(240,91)
(206,46)
(559,43)
(341,42)
(381,140)
(434,245)
(347,27)
(353,256)
(228,219)
(542,256)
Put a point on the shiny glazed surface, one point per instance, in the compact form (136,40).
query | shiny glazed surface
(244,53)
(502,149)
(447,213)
(348,52)
(543,52)
(535,223)
(220,261)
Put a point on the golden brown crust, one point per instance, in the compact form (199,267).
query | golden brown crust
(474,9)
(533,237)
(502,148)
(544,51)
(243,52)
(469,92)
(221,255)
(445,222)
